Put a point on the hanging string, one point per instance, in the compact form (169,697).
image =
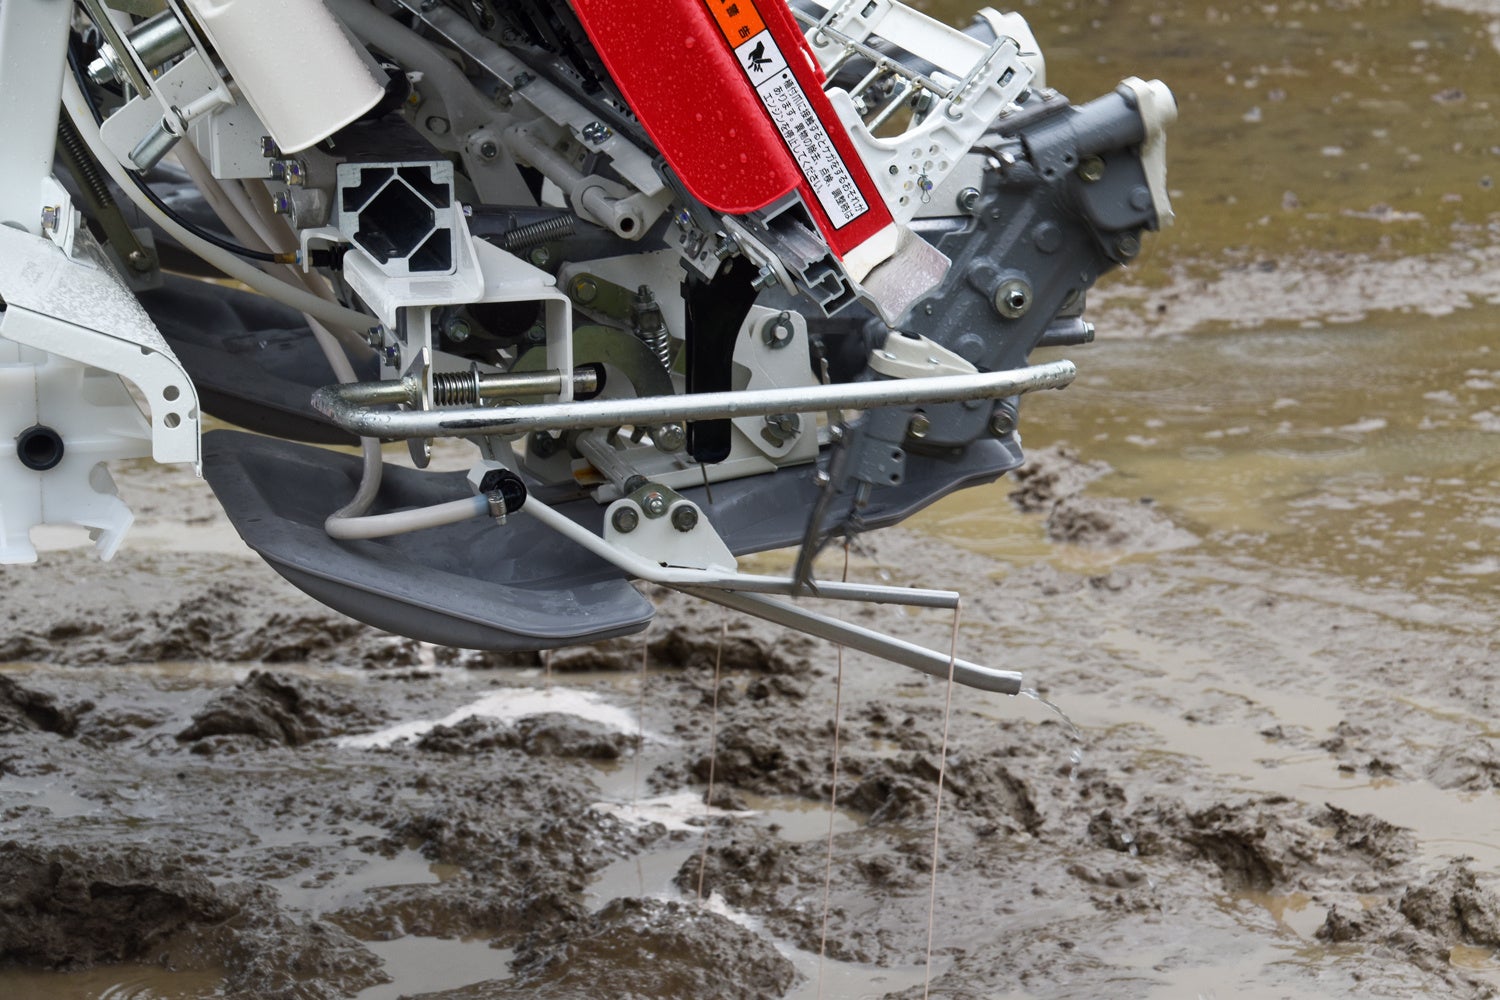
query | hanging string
(937,813)
(640,718)
(713,755)
(833,792)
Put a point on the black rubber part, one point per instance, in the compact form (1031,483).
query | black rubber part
(480,585)
(39,448)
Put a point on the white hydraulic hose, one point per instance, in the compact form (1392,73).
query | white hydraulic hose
(328,312)
(401,521)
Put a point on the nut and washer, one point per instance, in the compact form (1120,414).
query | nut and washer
(1013,298)
(778,331)
(654,503)
(625,520)
(685,517)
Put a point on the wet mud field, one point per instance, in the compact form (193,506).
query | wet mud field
(1253,557)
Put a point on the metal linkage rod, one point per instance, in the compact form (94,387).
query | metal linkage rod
(865,640)
(349,406)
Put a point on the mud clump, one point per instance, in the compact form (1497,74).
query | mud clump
(545,735)
(1454,907)
(1471,765)
(25,709)
(1052,474)
(60,908)
(71,908)
(275,708)
(685,634)
(648,949)
(1113,522)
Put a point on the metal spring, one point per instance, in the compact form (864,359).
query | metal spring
(81,163)
(660,342)
(456,388)
(537,233)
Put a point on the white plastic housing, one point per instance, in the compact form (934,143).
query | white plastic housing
(293,62)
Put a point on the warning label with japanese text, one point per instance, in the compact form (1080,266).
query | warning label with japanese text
(783,98)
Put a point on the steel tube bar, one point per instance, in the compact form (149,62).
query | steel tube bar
(342,405)
(865,640)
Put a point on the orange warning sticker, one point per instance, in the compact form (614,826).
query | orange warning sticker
(738,19)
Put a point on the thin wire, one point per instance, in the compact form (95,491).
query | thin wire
(640,718)
(713,755)
(937,814)
(833,792)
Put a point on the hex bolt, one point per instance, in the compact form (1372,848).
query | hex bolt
(268,147)
(1013,298)
(654,503)
(1002,422)
(458,331)
(670,437)
(584,289)
(1090,169)
(685,517)
(625,520)
(1127,247)
(919,426)
(541,256)
(541,445)
(282,203)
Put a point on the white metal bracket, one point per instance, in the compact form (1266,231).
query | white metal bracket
(70,331)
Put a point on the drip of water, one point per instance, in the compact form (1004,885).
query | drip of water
(1075,757)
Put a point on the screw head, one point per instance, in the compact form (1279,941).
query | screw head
(919,426)
(1127,247)
(625,520)
(597,132)
(685,517)
(488,150)
(654,503)
(541,256)
(1090,169)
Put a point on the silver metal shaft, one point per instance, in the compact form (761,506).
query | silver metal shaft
(348,406)
(865,640)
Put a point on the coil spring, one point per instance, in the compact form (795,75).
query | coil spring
(456,388)
(82,164)
(660,342)
(537,233)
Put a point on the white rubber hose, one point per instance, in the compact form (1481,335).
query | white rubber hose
(381,525)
